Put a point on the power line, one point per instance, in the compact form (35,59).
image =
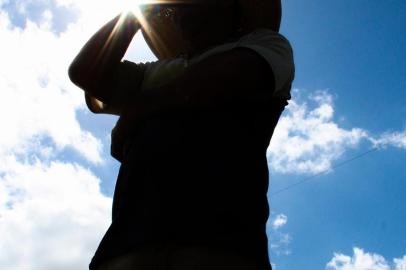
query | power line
(341,164)
(338,165)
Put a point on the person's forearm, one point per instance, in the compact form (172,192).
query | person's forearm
(238,76)
(102,53)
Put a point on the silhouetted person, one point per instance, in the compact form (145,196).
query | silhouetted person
(193,132)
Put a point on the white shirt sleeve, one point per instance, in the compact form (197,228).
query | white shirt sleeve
(277,51)
(274,48)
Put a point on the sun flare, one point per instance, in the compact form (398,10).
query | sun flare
(160,32)
(130,6)
(134,5)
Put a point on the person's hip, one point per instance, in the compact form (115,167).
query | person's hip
(172,257)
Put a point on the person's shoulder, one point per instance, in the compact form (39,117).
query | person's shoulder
(265,36)
(277,51)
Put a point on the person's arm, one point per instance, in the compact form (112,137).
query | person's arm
(240,77)
(236,76)
(94,67)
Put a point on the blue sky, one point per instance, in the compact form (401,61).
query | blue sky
(57,178)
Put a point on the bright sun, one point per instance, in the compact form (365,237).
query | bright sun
(134,5)
(130,5)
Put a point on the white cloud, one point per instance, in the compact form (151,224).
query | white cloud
(362,260)
(279,221)
(52,213)
(400,264)
(37,100)
(52,216)
(2,2)
(307,140)
(395,139)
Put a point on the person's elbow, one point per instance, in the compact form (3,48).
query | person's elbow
(91,82)
(77,75)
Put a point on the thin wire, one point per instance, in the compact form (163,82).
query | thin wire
(341,164)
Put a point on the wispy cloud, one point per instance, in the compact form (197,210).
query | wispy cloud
(394,139)
(279,242)
(361,260)
(279,221)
